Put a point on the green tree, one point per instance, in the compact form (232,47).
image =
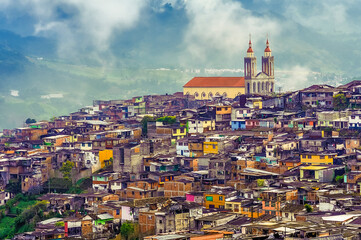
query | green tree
(260,182)
(167,119)
(14,186)
(66,169)
(339,179)
(340,102)
(30,120)
(308,207)
(144,124)
(126,230)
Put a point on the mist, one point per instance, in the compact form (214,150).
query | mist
(58,56)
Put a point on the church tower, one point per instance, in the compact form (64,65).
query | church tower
(268,69)
(250,69)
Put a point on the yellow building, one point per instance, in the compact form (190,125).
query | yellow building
(317,158)
(210,147)
(214,200)
(105,155)
(243,207)
(208,87)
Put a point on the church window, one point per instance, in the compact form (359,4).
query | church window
(196,94)
(210,94)
(203,94)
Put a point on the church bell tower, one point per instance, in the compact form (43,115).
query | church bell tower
(268,68)
(250,68)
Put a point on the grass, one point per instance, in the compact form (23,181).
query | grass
(22,205)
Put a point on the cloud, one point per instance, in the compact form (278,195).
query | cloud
(331,16)
(223,27)
(79,25)
(52,95)
(14,93)
(295,78)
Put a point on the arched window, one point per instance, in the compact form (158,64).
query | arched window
(217,94)
(267,86)
(210,94)
(272,90)
(224,94)
(187,94)
(248,88)
(196,94)
(254,90)
(203,94)
(259,87)
(262,86)
(239,94)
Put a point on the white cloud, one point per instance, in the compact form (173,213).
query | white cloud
(331,16)
(224,26)
(52,95)
(14,93)
(295,78)
(78,24)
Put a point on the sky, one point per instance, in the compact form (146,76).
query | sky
(201,29)
(70,52)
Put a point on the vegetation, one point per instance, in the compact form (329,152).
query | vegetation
(167,119)
(28,212)
(260,182)
(340,102)
(61,185)
(144,123)
(66,169)
(14,186)
(30,120)
(339,179)
(308,207)
(130,231)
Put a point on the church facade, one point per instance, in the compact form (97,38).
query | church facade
(261,83)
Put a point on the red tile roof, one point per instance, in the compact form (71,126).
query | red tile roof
(216,82)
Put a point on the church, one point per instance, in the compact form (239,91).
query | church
(261,83)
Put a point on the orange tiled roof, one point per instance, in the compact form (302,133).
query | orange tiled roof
(216,82)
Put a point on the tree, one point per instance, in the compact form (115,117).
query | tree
(308,207)
(167,119)
(126,230)
(340,102)
(66,169)
(144,123)
(260,182)
(339,179)
(14,186)
(30,120)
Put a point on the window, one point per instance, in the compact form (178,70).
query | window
(322,157)
(309,156)
(209,198)
(221,198)
(266,204)
(211,206)
(160,222)
(214,146)
(118,211)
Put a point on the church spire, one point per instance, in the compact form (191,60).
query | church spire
(267,51)
(250,50)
